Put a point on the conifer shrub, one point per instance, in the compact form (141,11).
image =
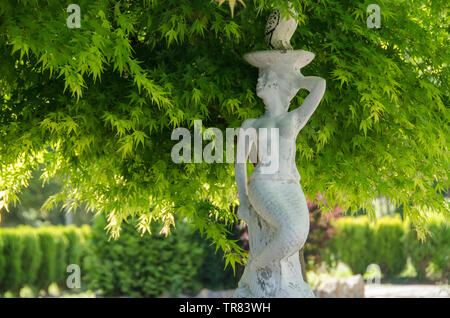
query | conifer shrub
(31,256)
(390,249)
(353,243)
(12,251)
(434,251)
(143,265)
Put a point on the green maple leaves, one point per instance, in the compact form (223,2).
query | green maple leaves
(232,4)
(96,106)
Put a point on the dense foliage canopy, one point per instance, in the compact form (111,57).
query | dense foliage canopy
(95,106)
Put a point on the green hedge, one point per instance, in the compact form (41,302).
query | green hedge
(134,265)
(389,242)
(352,243)
(389,245)
(435,250)
(47,268)
(38,257)
(31,256)
(143,266)
(12,252)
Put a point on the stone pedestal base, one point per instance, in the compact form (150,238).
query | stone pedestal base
(282,279)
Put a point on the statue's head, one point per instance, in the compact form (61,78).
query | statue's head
(279,76)
(277,86)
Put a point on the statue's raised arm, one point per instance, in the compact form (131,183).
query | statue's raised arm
(316,87)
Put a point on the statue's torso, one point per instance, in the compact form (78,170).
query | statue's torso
(287,169)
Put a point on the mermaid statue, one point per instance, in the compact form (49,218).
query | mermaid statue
(273,204)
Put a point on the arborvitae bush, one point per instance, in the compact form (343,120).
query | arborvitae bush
(47,269)
(390,250)
(148,265)
(85,234)
(434,250)
(74,249)
(389,242)
(12,251)
(441,256)
(38,257)
(353,243)
(62,244)
(31,255)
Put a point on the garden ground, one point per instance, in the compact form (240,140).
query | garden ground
(407,291)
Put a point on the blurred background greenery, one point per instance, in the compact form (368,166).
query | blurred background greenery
(36,247)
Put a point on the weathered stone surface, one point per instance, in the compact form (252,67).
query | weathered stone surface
(278,279)
(349,287)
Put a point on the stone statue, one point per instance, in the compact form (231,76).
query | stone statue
(273,205)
